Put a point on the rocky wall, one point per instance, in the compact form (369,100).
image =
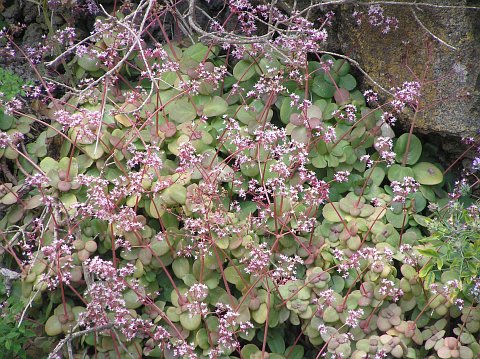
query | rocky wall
(452,76)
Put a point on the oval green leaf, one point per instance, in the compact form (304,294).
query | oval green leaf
(243,70)
(215,107)
(427,173)
(414,151)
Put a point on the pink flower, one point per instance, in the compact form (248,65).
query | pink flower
(404,188)
(353,317)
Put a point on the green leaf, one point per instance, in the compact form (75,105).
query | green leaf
(338,283)
(249,350)
(376,174)
(331,77)
(243,70)
(440,263)
(421,220)
(414,151)
(232,275)
(167,80)
(181,111)
(429,279)
(268,68)
(70,165)
(397,220)
(322,88)
(429,252)
(93,151)
(215,107)
(6,121)
(297,352)
(357,98)
(276,343)
(398,173)
(190,322)
(418,202)
(286,110)
(319,161)
(347,82)
(197,52)
(48,164)
(428,193)
(260,315)
(331,212)
(427,173)
(341,67)
(425,270)
(88,62)
(329,110)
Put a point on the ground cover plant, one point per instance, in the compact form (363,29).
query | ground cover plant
(226,197)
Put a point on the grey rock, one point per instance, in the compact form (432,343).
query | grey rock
(451,94)
(33,34)
(57,21)
(30,12)
(13,12)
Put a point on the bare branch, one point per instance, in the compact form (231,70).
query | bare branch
(6,172)
(9,276)
(70,337)
(223,37)
(120,63)
(431,33)
(413,3)
(370,3)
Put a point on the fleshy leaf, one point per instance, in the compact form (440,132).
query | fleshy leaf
(243,70)
(398,173)
(427,173)
(322,88)
(414,151)
(331,212)
(182,111)
(348,82)
(215,107)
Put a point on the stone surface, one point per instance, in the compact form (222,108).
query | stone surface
(451,91)
(33,34)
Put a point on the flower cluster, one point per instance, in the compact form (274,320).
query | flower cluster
(402,189)
(389,289)
(376,18)
(106,296)
(406,95)
(227,329)
(258,260)
(85,123)
(384,147)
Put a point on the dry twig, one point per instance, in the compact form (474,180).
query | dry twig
(422,25)
(70,337)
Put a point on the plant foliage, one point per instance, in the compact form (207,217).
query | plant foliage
(199,205)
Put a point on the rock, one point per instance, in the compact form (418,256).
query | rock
(13,12)
(452,94)
(57,21)
(30,12)
(33,34)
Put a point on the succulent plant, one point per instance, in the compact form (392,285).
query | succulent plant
(389,317)
(212,220)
